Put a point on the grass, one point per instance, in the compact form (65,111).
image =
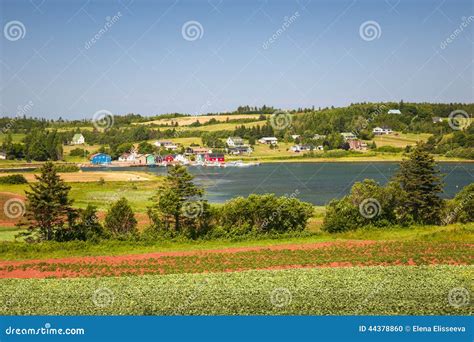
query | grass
(22,251)
(323,291)
(188,120)
(400,140)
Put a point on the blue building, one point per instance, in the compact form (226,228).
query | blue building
(101,158)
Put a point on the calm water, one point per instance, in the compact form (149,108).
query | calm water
(317,183)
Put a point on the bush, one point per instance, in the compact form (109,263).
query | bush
(263,214)
(64,168)
(461,208)
(120,219)
(78,152)
(368,204)
(13,179)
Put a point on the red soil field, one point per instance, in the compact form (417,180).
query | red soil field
(325,254)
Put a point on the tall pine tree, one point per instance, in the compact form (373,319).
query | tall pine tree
(48,207)
(419,177)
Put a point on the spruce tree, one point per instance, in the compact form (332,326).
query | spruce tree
(48,207)
(419,177)
(120,219)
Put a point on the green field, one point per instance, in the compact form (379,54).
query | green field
(326,291)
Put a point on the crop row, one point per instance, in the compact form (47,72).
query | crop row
(340,254)
(397,290)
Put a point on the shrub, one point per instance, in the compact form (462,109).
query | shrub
(461,208)
(390,149)
(78,152)
(13,179)
(368,204)
(263,214)
(120,219)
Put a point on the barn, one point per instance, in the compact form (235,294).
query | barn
(214,158)
(100,158)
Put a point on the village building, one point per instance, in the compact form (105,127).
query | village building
(348,136)
(239,150)
(319,137)
(78,139)
(234,141)
(141,159)
(100,158)
(127,157)
(150,159)
(382,130)
(214,158)
(394,111)
(357,145)
(295,136)
(198,150)
(437,119)
(301,148)
(169,145)
(3,155)
(268,140)
(169,158)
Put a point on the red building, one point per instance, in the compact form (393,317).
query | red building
(168,158)
(214,158)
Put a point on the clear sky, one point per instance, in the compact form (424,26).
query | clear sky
(287,54)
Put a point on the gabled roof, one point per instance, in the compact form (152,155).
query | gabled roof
(394,111)
(77,136)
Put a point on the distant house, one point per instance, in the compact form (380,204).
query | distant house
(100,158)
(169,158)
(394,111)
(319,137)
(357,144)
(234,141)
(301,148)
(437,119)
(141,159)
(214,158)
(127,157)
(268,140)
(3,155)
(169,145)
(295,136)
(198,150)
(239,150)
(150,159)
(348,136)
(179,158)
(382,130)
(78,139)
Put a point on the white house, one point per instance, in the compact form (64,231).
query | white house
(268,140)
(348,136)
(319,136)
(234,141)
(437,119)
(394,111)
(382,130)
(169,145)
(3,155)
(295,136)
(128,157)
(78,139)
(300,148)
(181,159)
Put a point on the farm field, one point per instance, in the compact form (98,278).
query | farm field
(318,291)
(188,120)
(400,140)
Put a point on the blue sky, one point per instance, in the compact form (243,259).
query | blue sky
(143,64)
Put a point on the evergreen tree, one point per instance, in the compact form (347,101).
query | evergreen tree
(419,177)
(48,207)
(178,201)
(120,219)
